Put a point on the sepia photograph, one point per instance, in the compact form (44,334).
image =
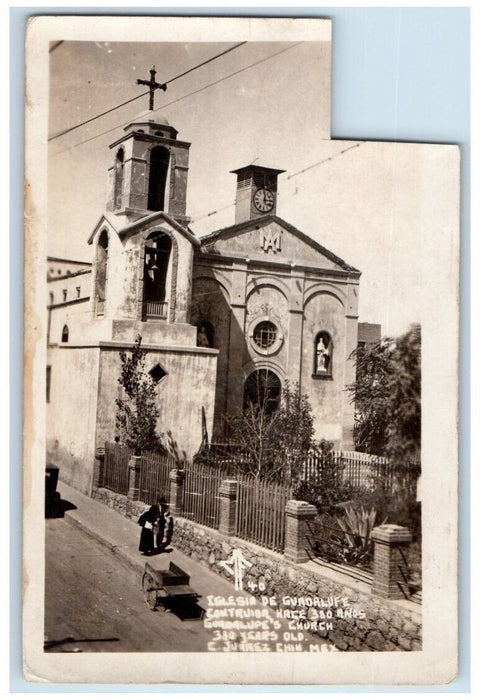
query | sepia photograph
(237,365)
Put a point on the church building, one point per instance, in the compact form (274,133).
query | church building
(255,304)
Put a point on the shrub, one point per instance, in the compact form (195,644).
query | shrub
(357,524)
(325,488)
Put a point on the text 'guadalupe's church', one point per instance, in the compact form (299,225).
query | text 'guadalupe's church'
(219,316)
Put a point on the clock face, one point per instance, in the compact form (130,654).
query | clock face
(263,200)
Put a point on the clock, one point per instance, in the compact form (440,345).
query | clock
(263,200)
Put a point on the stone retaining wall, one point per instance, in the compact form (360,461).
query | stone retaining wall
(363,622)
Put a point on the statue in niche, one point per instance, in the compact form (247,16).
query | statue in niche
(322,356)
(202,338)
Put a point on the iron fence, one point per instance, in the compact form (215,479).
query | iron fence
(115,468)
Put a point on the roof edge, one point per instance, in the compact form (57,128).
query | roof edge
(272,217)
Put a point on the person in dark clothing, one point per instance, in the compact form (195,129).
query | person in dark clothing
(148,522)
(161,522)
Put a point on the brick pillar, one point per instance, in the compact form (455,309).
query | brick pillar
(177,477)
(298,536)
(99,467)
(388,562)
(134,467)
(228,507)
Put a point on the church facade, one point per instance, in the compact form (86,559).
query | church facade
(256,304)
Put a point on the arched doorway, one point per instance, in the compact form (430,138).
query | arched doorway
(262,389)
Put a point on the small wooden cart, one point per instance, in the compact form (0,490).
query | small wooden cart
(159,584)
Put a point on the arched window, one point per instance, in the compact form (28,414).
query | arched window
(65,334)
(262,389)
(157,181)
(101,272)
(205,334)
(119,165)
(322,355)
(158,248)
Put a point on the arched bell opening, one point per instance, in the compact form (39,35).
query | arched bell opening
(101,273)
(119,165)
(157,276)
(157,180)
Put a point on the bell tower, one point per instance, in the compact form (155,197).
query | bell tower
(256,192)
(149,171)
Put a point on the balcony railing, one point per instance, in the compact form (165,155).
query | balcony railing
(155,309)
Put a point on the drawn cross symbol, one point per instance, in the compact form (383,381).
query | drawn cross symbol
(239,565)
(152,85)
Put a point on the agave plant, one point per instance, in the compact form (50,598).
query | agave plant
(357,525)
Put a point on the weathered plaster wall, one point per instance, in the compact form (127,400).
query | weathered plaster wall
(290,247)
(325,312)
(266,301)
(154,332)
(74,315)
(71,414)
(188,386)
(124,271)
(115,264)
(210,302)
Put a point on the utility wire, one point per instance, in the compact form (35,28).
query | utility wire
(289,177)
(184,97)
(280,179)
(137,97)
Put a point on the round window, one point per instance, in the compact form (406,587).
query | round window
(265,334)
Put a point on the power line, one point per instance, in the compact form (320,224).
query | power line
(280,179)
(286,178)
(137,97)
(184,97)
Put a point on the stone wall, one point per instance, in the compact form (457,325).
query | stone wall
(366,623)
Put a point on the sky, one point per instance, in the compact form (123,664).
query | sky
(360,200)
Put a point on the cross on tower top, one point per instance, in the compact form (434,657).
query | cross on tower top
(152,85)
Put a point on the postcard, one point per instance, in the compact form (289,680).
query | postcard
(241,340)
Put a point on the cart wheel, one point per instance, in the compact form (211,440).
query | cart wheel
(149,591)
